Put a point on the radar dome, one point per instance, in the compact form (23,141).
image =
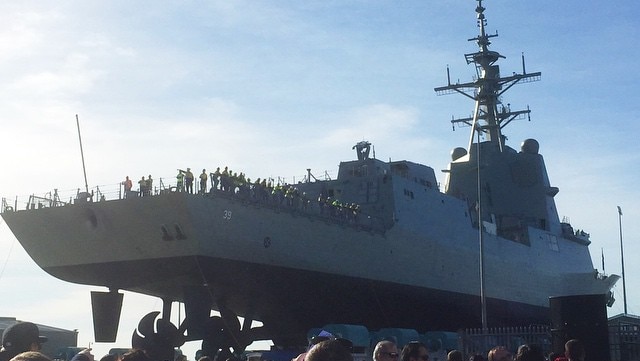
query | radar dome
(530,146)
(458,153)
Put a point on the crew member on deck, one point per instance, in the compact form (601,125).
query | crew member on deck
(215,178)
(143,186)
(128,184)
(188,177)
(149,187)
(180,181)
(203,181)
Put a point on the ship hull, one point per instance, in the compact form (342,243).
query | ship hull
(292,301)
(292,270)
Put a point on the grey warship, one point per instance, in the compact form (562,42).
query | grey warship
(305,255)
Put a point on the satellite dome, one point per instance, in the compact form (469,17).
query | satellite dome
(530,146)
(458,153)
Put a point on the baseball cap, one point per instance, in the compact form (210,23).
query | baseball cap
(21,335)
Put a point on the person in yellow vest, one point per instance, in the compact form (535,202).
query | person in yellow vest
(203,181)
(149,186)
(180,181)
(215,178)
(142,183)
(188,177)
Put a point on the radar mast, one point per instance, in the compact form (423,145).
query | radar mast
(489,115)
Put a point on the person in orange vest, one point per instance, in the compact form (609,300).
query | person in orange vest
(128,184)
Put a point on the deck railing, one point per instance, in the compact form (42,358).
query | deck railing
(246,193)
(114,191)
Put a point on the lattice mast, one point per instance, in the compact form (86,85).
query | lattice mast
(489,115)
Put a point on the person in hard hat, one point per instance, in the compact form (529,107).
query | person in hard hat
(203,181)
(215,178)
(188,178)
(148,189)
(128,184)
(142,183)
(180,181)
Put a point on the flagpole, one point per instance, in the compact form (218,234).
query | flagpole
(624,287)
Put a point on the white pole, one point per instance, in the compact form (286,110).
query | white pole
(84,170)
(624,287)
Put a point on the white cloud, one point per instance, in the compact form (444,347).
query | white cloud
(72,79)
(374,121)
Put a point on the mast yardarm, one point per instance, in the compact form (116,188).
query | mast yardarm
(489,115)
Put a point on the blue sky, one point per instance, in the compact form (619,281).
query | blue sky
(273,88)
